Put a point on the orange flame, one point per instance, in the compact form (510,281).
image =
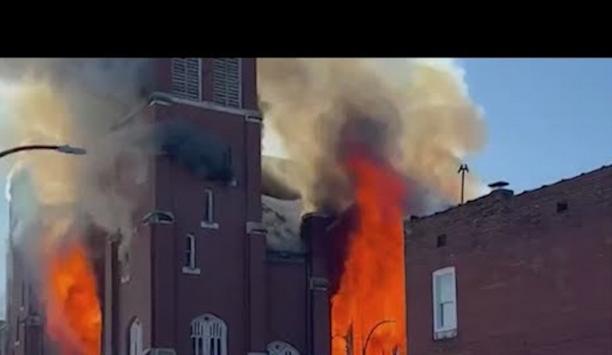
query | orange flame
(74,319)
(369,309)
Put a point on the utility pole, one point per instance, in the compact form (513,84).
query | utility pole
(463,168)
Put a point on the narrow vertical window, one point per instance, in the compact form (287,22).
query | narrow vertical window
(190,264)
(208,219)
(445,303)
(208,206)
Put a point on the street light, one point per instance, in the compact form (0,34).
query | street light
(65,149)
(365,345)
(68,149)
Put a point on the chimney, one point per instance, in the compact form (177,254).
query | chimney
(499,189)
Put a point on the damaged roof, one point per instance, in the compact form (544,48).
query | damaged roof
(282,220)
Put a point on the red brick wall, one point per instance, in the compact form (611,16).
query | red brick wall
(530,280)
(286,286)
(232,264)
(315,230)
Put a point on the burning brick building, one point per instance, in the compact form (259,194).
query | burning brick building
(208,269)
(199,276)
(510,275)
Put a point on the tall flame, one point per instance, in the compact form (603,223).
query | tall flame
(74,319)
(369,308)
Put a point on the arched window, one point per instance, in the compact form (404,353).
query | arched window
(281,348)
(135,338)
(208,336)
(158,217)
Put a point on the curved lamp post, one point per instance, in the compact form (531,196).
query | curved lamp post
(365,345)
(65,149)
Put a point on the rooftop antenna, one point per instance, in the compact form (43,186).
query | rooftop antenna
(463,168)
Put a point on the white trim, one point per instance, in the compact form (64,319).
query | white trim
(191,271)
(207,225)
(210,105)
(159,102)
(153,217)
(445,331)
(253,119)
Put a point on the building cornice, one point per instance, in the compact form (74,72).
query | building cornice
(166,99)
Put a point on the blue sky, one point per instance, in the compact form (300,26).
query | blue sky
(546,119)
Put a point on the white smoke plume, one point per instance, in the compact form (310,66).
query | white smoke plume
(76,102)
(417,113)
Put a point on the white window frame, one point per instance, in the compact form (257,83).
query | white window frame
(281,348)
(205,329)
(135,338)
(185,95)
(191,258)
(208,220)
(443,331)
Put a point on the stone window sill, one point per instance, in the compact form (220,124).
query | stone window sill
(445,334)
(191,271)
(209,225)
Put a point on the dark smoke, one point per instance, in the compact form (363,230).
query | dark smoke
(201,153)
(416,115)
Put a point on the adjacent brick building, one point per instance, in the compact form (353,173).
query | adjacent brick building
(515,275)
